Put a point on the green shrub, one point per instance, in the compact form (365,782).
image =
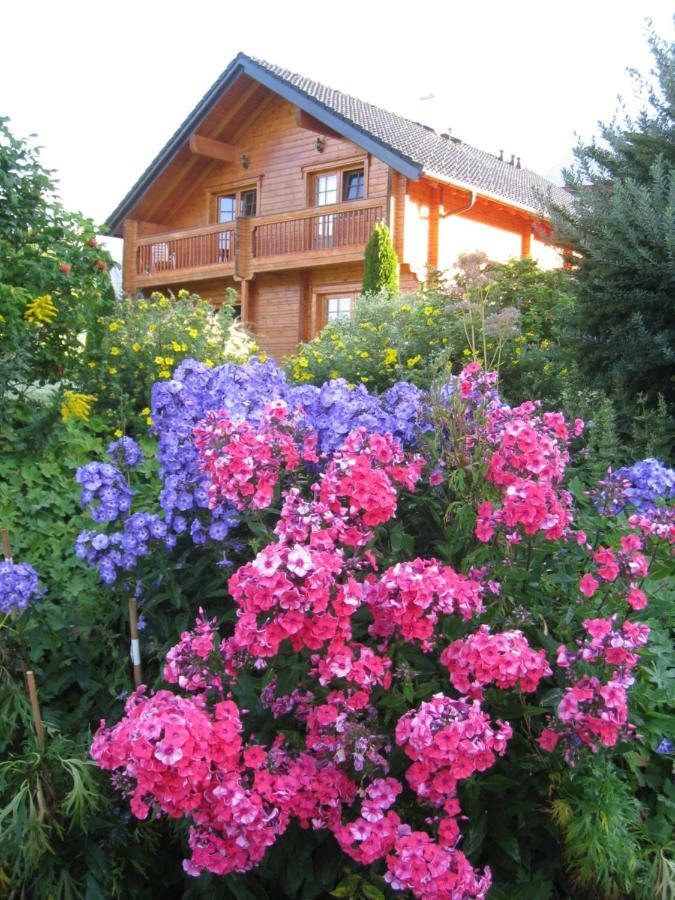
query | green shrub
(380,272)
(143,340)
(511,317)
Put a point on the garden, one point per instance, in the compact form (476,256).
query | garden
(392,617)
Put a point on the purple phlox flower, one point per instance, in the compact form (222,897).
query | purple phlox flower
(19,585)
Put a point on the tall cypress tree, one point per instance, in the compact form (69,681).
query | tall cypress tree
(619,231)
(380,272)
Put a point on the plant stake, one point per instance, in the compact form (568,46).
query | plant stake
(135,644)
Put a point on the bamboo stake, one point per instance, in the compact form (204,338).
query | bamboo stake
(40,734)
(135,644)
(5,544)
(35,706)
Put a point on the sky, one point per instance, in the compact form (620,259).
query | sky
(104,84)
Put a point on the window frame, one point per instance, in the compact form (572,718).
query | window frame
(216,191)
(339,168)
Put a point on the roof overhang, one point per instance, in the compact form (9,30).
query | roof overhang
(244,65)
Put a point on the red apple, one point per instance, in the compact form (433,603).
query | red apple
(65,268)
(101,264)
(92,242)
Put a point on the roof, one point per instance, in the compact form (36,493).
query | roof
(407,146)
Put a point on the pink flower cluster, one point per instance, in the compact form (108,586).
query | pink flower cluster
(630,562)
(243,461)
(407,599)
(187,664)
(527,466)
(593,713)
(433,870)
(448,740)
(504,659)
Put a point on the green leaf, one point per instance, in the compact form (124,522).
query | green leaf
(347,887)
(371,892)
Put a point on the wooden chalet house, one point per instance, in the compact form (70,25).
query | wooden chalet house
(272,186)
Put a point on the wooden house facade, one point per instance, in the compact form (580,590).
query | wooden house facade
(272,186)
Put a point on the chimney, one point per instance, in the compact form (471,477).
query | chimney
(518,163)
(512,160)
(501,156)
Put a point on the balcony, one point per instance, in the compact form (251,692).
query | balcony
(261,243)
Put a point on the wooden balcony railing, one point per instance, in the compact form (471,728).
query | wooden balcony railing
(257,243)
(188,249)
(334,228)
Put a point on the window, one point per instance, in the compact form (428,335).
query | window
(353,185)
(241,203)
(247,203)
(326,189)
(340,186)
(338,308)
(227,208)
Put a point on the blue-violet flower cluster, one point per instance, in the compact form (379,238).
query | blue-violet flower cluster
(18,586)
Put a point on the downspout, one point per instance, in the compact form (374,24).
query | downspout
(460,209)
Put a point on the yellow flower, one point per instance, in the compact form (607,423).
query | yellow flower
(414,360)
(76,406)
(145,411)
(41,311)
(163,302)
(544,344)
(334,374)
(149,420)
(118,432)
(390,357)
(159,360)
(363,354)
(112,370)
(428,310)
(92,365)
(168,360)
(405,309)
(303,362)
(135,346)
(263,357)
(466,352)
(209,363)
(113,326)
(164,373)
(183,295)
(193,332)
(114,351)
(175,346)
(142,304)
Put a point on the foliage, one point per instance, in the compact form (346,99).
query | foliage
(144,340)
(54,281)
(619,233)
(380,267)
(511,316)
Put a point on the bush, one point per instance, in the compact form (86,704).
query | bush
(54,279)
(512,317)
(143,340)
(380,271)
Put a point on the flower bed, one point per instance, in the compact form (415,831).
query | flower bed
(310,706)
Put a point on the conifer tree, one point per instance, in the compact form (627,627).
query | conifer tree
(381,263)
(619,231)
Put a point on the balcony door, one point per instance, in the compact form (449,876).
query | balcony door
(326,195)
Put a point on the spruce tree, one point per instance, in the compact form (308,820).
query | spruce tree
(621,242)
(381,263)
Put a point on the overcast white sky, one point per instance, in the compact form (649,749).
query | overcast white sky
(105,84)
